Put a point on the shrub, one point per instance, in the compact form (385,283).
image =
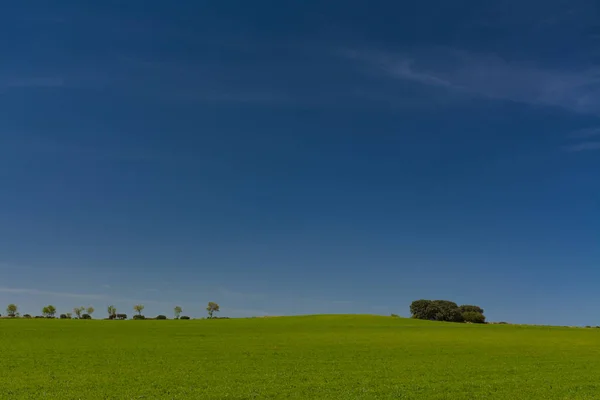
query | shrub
(139,317)
(63,316)
(184,317)
(395,316)
(26,316)
(86,316)
(39,316)
(473,317)
(121,316)
(161,317)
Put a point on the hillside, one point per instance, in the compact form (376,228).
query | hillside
(308,357)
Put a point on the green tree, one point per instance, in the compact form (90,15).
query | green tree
(436,310)
(49,311)
(468,308)
(69,315)
(138,308)
(112,311)
(11,310)
(78,311)
(473,317)
(212,308)
(90,310)
(177,311)
(421,309)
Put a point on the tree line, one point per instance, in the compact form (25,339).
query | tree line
(49,311)
(444,310)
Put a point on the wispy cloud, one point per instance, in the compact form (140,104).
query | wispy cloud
(37,292)
(586,133)
(32,82)
(50,293)
(490,76)
(583,146)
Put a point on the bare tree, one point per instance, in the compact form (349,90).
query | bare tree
(78,310)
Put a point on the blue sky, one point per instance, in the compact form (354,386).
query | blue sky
(307,157)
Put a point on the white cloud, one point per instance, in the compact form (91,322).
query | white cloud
(585,133)
(490,76)
(33,82)
(583,146)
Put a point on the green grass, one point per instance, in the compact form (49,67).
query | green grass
(315,357)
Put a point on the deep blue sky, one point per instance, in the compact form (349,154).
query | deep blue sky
(302,157)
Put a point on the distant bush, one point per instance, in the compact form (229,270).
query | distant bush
(121,316)
(473,317)
(184,317)
(63,316)
(86,316)
(395,316)
(139,317)
(26,316)
(444,310)
(39,316)
(161,317)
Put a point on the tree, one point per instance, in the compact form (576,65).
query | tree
(90,310)
(473,317)
(446,311)
(468,308)
(49,311)
(78,310)
(436,310)
(138,308)
(177,311)
(11,310)
(212,308)
(69,315)
(112,312)
(421,309)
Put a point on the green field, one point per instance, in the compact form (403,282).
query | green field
(313,357)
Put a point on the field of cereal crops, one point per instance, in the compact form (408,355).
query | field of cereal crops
(310,357)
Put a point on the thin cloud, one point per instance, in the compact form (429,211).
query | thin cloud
(490,76)
(49,293)
(33,82)
(36,292)
(585,146)
(585,133)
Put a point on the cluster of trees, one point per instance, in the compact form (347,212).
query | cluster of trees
(444,310)
(12,310)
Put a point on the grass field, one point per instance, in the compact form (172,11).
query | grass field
(313,357)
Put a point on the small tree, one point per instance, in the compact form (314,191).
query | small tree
(11,310)
(49,311)
(112,312)
(212,308)
(177,311)
(90,310)
(78,311)
(138,308)
(69,315)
